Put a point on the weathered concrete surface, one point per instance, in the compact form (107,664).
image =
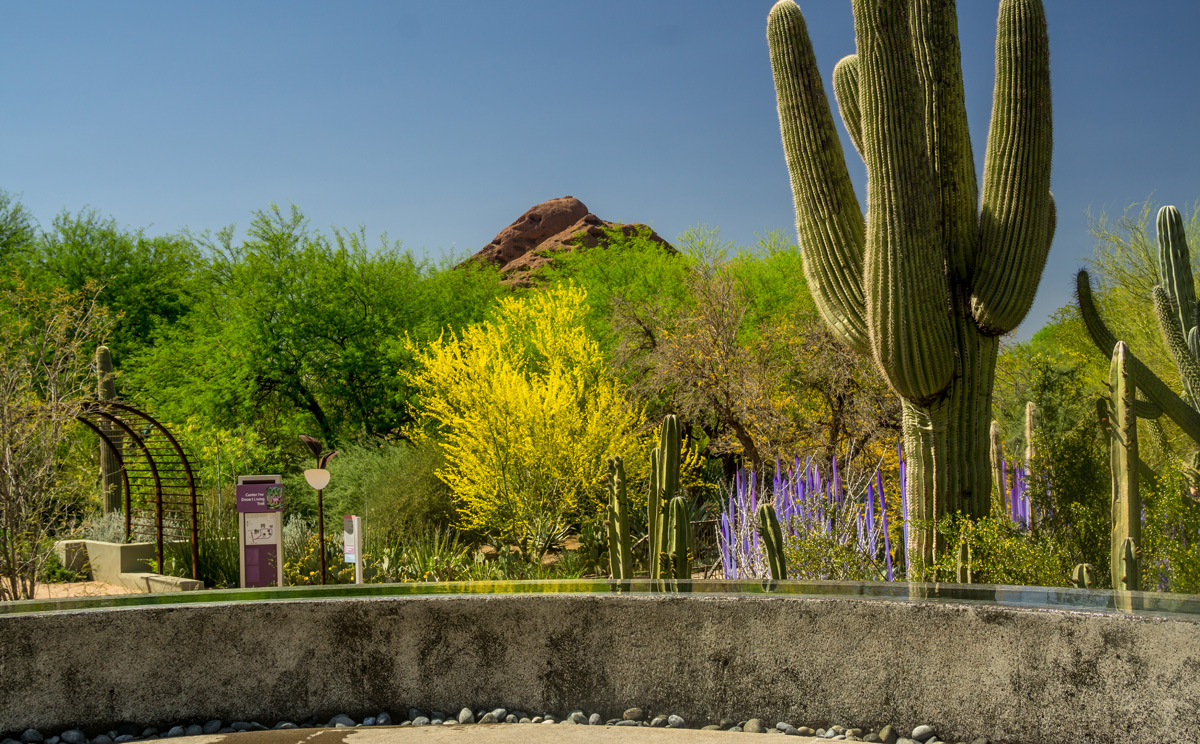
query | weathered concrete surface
(1010,674)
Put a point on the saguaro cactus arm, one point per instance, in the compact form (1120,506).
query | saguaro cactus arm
(1155,389)
(934,29)
(908,302)
(828,218)
(1167,313)
(1175,267)
(1017,212)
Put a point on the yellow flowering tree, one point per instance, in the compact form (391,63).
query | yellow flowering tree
(527,412)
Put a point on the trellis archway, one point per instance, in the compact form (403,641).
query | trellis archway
(157,474)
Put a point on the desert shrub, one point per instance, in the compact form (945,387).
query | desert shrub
(527,413)
(393,485)
(103,528)
(1170,535)
(1002,552)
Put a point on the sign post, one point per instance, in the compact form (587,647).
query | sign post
(352,544)
(260,529)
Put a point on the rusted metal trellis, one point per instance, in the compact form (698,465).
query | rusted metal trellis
(157,475)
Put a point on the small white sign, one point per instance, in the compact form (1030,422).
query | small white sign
(349,541)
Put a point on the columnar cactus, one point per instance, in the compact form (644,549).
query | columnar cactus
(963,567)
(620,545)
(772,537)
(679,542)
(997,459)
(664,486)
(936,271)
(1176,309)
(110,471)
(1121,424)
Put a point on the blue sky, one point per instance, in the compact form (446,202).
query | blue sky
(440,122)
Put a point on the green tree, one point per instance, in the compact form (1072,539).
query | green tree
(296,331)
(145,282)
(46,344)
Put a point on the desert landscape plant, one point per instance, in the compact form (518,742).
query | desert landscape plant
(937,270)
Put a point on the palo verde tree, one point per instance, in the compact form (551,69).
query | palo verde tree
(936,271)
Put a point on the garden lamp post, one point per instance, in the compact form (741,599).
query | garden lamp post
(318,478)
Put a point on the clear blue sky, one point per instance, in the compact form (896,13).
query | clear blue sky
(440,122)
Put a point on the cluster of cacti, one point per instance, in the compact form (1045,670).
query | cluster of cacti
(1178,316)
(668,520)
(937,270)
(110,471)
(1120,420)
(772,537)
(620,545)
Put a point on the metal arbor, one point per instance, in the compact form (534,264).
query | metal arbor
(157,476)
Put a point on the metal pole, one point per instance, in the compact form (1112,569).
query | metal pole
(321,531)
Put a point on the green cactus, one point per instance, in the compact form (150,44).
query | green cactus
(679,549)
(1121,424)
(1128,578)
(664,487)
(1083,576)
(110,471)
(963,565)
(997,459)
(937,270)
(620,545)
(772,537)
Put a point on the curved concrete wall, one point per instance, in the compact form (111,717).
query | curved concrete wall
(1010,674)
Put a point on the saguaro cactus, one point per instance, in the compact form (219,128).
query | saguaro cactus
(1176,310)
(110,471)
(936,271)
(1121,424)
(620,545)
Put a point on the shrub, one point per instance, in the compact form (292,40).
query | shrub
(528,413)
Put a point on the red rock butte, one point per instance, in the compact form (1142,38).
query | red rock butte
(554,226)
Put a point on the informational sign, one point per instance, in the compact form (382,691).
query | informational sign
(349,539)
(352,544)
(260,533)
(259,497)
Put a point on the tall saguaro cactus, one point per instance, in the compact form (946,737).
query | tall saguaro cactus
(937,270)
(110,471)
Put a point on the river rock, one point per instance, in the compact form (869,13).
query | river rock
(922,733)
(754,726)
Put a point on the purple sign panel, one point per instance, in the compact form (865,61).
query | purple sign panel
(260,497)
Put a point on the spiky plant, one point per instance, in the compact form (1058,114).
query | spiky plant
(1178,315)
(664,487)
(1121,424)
(772,537)
(937,270)
(620,545)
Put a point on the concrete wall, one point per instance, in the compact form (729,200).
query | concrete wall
(1012,675)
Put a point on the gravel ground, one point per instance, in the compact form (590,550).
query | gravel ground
(633,717)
